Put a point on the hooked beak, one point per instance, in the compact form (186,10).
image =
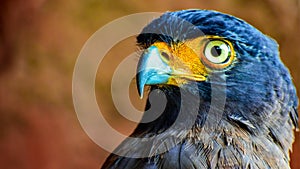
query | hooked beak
(151,69)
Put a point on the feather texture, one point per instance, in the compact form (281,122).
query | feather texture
(255,129)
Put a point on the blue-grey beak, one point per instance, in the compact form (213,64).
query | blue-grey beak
(151,69)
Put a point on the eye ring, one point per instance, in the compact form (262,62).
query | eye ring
(218,53)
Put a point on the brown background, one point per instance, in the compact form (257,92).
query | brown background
(39,43)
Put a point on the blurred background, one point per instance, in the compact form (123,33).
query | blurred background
(39,43)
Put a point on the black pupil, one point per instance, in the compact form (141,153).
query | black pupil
(216,51)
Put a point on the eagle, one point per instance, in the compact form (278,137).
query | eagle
(228,100)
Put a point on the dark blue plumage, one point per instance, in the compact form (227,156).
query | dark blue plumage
(256,125)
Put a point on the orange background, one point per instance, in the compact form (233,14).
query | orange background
(39,43)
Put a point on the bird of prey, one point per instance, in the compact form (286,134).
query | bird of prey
(229,100)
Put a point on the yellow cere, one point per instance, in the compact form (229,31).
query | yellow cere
(187,59)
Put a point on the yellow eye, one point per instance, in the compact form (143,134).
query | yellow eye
(218,54)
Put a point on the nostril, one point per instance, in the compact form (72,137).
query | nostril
(165,56)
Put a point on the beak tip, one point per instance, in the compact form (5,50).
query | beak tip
(141,92)
(140,85)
